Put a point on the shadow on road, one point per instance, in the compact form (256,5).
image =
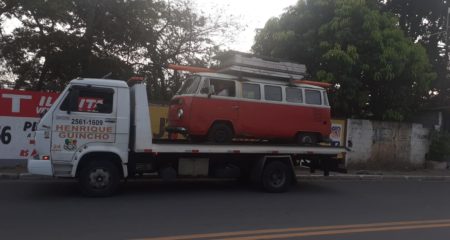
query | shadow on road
(142,188)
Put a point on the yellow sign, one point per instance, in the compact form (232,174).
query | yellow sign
(159,119)
(337,135)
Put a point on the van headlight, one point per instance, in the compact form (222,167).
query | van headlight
(180,113)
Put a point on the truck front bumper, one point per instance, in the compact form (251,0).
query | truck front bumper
(40,167)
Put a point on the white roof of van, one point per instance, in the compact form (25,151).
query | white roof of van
(100,82)
(256,80)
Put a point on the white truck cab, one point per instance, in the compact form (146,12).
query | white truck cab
(99,131)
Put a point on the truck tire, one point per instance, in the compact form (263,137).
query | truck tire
(276,177)
(307,139)
(220,133)
(99,179)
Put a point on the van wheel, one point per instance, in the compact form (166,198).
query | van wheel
(307,139)
(220,133)
(99,179)
(276,177)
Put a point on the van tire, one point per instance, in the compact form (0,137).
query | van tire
(307,139)
(99,178)
(220,133)
(276,177)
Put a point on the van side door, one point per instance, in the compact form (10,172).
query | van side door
(218,103)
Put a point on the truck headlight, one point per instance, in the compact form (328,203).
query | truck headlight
(180,113)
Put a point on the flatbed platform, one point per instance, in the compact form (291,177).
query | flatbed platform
(184,146)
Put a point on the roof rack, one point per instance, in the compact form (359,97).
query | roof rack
(248,65)
(245,65)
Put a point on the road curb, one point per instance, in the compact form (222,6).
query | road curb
(348,177)
(23,176)
(29,176)
(375,177)
(9,176)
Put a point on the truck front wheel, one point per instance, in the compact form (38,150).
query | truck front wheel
(99,179)
(276,177)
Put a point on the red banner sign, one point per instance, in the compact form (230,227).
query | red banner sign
(16,103)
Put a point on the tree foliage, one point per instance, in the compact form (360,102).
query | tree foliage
(425,22)
(59,40)
(378,72)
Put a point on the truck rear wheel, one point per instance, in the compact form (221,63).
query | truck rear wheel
(99,179)
(276,177)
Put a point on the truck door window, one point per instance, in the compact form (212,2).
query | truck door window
(223,88)
(272,93)
(294,95)
(91,99)
(313,97)
(251,91)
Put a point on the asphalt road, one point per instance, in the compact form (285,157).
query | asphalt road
(226,210)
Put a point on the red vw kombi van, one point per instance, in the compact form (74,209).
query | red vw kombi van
(219,107)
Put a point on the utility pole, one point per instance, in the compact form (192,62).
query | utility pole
(446,40)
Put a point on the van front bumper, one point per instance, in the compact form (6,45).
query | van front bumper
(40,167)
(181,130)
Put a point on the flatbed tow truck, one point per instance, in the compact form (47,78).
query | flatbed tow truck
(102,147)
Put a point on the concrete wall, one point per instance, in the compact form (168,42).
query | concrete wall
(386,145)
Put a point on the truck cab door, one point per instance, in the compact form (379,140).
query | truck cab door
(87,115)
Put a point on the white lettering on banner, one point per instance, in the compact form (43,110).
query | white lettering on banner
(15,106)
(44,104)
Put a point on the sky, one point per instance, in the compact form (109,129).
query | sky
(252,13)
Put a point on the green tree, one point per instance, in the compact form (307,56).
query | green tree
(378,72)
(59,40)
(425,22)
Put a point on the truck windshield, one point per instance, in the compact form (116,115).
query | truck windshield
(189,86)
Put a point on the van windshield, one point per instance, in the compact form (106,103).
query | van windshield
(189,86)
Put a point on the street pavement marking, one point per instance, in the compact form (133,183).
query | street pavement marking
(336,232)
(313,231)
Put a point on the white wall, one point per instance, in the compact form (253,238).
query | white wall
(385,144)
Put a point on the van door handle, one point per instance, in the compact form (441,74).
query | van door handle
(235,107)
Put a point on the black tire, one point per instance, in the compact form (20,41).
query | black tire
(99,179)
(276,177)
(307,139)
(220,133)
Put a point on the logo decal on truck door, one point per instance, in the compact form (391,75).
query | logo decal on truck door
(70,144)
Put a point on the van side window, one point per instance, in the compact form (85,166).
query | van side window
(92,99)
(223,88)
(294,95)
(313,97)
(251,91)
(272,93)
(325,98)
